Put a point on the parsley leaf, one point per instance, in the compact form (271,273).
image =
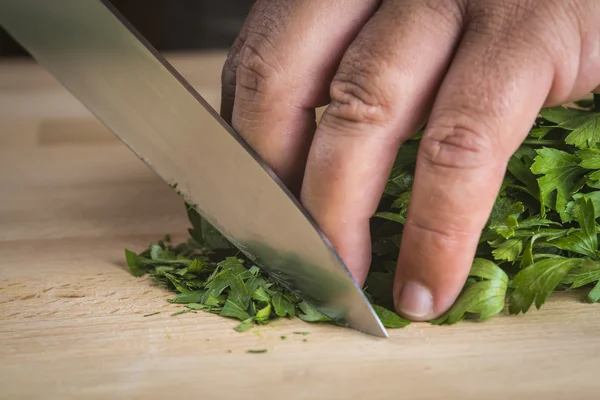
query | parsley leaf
(560,172)
(536,282)
(391,217)
(390,319)
(522,172)
(504,216)
(310,314)
(507,250)
(245,325)
(584,125)
(234,310)
(483,295)
(283,306)
(594,294)
(590,158)
(588,272)
(134,263)
(585,240)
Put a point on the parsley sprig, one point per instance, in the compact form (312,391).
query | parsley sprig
(542,236)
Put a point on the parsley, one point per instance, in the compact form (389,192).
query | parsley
(151,314)
(584,126)
(390,319)
(483,294)
(560,173)
(542,236)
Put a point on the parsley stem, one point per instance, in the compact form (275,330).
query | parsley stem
(544,142)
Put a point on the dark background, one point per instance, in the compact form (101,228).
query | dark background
(173,25)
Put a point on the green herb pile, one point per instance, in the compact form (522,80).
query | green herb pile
(542,236)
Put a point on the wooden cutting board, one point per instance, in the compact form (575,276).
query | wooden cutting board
(72,323)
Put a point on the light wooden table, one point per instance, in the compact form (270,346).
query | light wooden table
(72,198)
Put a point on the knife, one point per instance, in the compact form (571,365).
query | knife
(110,68)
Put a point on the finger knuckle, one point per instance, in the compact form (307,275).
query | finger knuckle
(460,143)
(451,12)
(355,98)
(257,70)
(438,239)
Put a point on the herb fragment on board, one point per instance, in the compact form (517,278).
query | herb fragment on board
(181,312)
(151,314)
(259,351)
(542,236)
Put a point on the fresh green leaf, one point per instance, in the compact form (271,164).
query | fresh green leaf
(563,115)
(588,272)
(585,240)
(593,180)
(536,282)
(508,250)
(584,125)
(158,253)
(233,310)
(536,222)
(212,301)
(196,267)
(586,132)
(594,294)
(188,297)
(196,306)
(523,173)
(213,238)
(594,197)
(310,314)
(484,297)
(390,319)
(283,306)
(260,294)
(135,266)
(391,217)
(264,313)
(590,158)
(238,292)
(560,172)
(540,132)
(527,258)
(504,216)
(177,282)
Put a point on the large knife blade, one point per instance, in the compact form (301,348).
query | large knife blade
(129,87)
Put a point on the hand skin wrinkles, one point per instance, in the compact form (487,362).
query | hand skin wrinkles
(477,71)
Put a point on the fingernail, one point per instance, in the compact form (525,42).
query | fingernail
(415,300)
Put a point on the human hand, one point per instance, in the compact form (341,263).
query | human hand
(477,71)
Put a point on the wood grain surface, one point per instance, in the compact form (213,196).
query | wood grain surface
(72,323)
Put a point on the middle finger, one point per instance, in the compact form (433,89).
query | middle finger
(379,97)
